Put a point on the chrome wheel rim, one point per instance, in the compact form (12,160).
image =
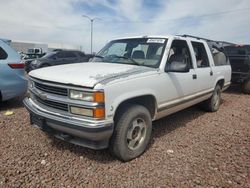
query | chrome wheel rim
(136,133)
(216,98)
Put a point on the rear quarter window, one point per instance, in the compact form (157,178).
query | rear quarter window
(3,54)
(220,58)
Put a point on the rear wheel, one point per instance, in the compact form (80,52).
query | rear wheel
(213,104)
(132,132)
(246,87)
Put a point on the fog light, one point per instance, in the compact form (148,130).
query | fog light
(98,113)
(81,111)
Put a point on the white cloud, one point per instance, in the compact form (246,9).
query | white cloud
(59,21)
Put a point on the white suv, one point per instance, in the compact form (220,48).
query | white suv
(112,101)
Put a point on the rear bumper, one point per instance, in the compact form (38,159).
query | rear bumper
(93,135)
(14,88)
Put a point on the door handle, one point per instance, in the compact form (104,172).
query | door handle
(211,73)
(194,76)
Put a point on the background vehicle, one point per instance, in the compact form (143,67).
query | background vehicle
(12,79)
(58,57)
(33,53)
(112,101)
(239,56)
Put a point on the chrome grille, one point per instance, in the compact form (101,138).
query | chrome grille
(51,89)
(53,104)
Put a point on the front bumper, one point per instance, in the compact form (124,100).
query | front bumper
(91,134)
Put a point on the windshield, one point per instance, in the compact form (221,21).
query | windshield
(137,51)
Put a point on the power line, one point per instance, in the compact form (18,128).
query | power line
(183,18)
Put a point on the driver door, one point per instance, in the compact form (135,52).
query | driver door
(179,86)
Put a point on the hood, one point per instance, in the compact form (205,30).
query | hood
(88,74)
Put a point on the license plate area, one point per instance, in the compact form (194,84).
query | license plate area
(37,121)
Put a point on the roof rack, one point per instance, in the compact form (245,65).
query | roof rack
(208,40)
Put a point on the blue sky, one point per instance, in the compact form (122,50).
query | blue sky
(60,21)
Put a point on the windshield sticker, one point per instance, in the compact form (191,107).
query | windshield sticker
(156,41)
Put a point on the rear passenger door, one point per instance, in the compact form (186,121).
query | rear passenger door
(204,74)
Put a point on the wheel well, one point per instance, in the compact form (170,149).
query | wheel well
(148,101)
(221,83)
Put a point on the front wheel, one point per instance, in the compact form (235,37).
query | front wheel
(132,132)
(213,104)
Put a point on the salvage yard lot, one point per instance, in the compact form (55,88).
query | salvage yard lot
(190,148)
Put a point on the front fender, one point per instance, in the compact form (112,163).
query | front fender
(119,99)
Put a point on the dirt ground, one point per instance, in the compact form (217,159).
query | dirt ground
(191,148)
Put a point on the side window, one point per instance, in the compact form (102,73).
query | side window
(81,54)
(60,55)
(69,54)
(3,54)
(219,57)
(179,50)
(66,55)
(200,54)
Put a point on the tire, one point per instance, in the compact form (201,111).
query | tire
(246,87)
(132,132)
(213,104)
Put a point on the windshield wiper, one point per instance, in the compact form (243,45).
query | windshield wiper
(124,57)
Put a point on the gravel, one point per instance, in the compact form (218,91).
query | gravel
(189,149)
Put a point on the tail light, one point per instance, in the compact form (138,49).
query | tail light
(16,65)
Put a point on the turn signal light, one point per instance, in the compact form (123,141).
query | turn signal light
(99,113)
(99,97)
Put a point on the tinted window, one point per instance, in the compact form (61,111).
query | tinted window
(180,48)
(200,54)
(66,54)
(81,54)
(49,55)
(236,50)
(3,54)
(70,54)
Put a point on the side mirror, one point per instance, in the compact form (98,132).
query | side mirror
(177,64)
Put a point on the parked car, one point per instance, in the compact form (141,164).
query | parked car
(13,82)
(239,56)
(112,101)
(29,58)
(58,57)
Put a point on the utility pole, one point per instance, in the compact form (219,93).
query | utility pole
(91,30)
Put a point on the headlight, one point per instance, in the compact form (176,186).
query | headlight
(95,113)
(87,96)
(30,84)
